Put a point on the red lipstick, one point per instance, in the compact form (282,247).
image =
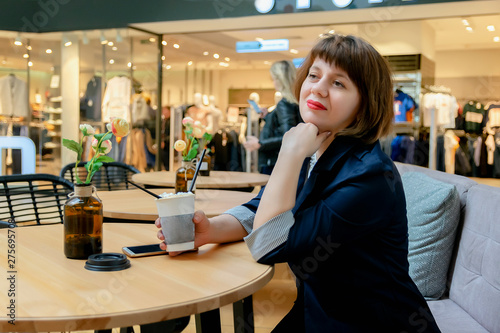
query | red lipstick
(313,105)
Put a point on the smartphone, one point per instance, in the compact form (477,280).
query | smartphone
(254,105)
(143,250)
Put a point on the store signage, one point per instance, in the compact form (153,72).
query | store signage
(287,6)
(269,45)
(297,62)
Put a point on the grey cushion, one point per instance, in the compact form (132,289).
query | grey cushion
(476,281)
(433,210)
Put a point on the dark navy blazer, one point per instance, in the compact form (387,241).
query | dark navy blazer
(348,246)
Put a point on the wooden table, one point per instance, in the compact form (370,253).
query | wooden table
(139,205)
(53,293)
(217,179)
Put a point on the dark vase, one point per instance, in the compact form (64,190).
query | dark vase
(83,219)
(206,165)
(184,176)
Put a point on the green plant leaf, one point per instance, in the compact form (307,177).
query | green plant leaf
(72,145)
(95,167)
(99,136)
(207,137)
(105,159)
(192,154)
(107,136)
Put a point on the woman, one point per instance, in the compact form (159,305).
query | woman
(334,206)
(279,121)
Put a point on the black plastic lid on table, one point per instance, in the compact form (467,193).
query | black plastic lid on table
(105,262)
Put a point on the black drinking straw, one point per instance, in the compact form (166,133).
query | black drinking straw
(197,170)
(142,188)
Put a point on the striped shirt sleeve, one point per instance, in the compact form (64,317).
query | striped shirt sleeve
(244,215)
(270,235)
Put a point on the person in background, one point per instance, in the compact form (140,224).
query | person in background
(285,116)
(334,207)
(165,136)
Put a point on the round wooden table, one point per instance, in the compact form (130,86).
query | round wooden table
(139,205)
(53,294)
(217,179)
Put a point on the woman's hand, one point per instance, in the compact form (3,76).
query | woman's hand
(303,140)
(252,143)
(201,231)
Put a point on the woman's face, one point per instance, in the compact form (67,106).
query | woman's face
(328,98)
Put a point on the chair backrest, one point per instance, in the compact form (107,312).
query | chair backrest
(111,176)
(28,152)
(33,198)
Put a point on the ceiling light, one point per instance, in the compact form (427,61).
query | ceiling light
(111,61)
(26,56)
(162,57)
(114,48)
(227,59)
(294,51)
(469,29)
(190,63)
(85,39)
(29,47)
(465,22)
(259,39)
(18,41)
(205,53)
(168,67)
(119,37)
(491,28)
(164,42)
(48,51)
(331,31)
(152,39)
(66,41)
(30,63)
(216,55)
(496,39)
(103,38)
(129,64)
(176,46)
(111,43)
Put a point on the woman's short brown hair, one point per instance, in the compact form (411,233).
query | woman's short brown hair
(371,74)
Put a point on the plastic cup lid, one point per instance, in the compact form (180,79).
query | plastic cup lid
(105,262)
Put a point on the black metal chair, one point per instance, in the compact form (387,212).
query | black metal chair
(33,199)
(111,176)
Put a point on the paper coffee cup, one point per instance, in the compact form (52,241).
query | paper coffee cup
(176,213)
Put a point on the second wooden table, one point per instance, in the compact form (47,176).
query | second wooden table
(138,205)
(217,179)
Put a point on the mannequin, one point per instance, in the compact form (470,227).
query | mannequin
(215,115)
(198,111)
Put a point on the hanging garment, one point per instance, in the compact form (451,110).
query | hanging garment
(493,114)
(91,101)
(451,143)
(404,105)
(13,97)
(116,101)
(474,113)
